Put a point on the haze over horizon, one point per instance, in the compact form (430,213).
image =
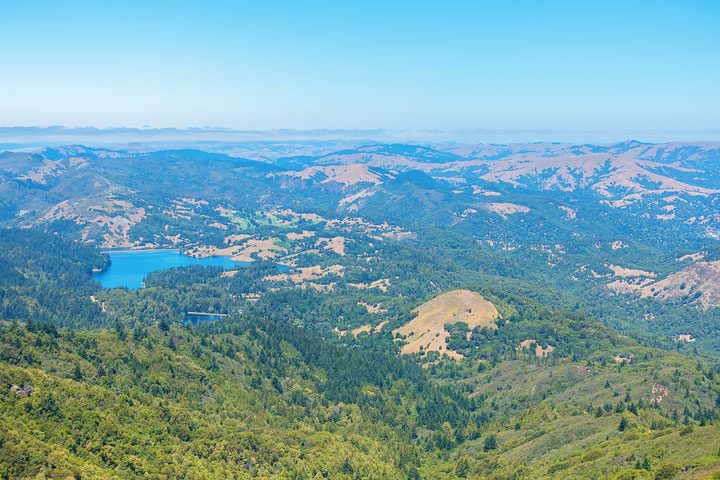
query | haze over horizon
(604,71)
(14,137)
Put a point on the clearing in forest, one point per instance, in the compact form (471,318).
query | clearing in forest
(427,330)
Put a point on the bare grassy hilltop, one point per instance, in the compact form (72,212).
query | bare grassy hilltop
(697,284)
(426,332)
(700,282)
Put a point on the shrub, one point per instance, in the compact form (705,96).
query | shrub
(667,471)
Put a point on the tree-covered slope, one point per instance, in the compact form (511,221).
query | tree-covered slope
(157,401)
(46,278)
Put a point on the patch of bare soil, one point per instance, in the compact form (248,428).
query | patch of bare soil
(618,245)
(684,337)
(659,392)
(623,359)
(629,272)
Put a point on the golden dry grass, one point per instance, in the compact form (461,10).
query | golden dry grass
(335,244)
(362,329)
(372,308)
(623,272)
(701,278)
(305,274)
(299,235)
(540,352)
(427,329)
(505,209)
(264,249)
(695,257)
(343,174)
(381,284)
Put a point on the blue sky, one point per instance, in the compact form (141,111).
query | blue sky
(511,65)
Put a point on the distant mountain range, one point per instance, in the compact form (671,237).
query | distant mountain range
(574,209)
(667,181)
(19,136)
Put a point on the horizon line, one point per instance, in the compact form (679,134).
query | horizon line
(25,134)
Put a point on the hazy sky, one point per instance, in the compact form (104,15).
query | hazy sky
(575,65)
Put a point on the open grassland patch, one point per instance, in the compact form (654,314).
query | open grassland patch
(505,209)
(426,332)
(381,284)
(250,250)
(698,283)
(306,274)
(334,244)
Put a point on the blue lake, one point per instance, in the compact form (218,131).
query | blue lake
(129,268)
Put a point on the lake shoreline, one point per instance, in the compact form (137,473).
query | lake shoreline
(129,268)
(140,250)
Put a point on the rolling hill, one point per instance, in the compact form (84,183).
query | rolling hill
(443,311)
(697,284)
(426,332)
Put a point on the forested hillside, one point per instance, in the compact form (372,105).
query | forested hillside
(624,232)
(127,388)
(47,279)
(395,311)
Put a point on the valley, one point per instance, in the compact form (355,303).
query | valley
(364,310)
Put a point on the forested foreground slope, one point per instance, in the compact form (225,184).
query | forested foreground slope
(118,386)
(174,404)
